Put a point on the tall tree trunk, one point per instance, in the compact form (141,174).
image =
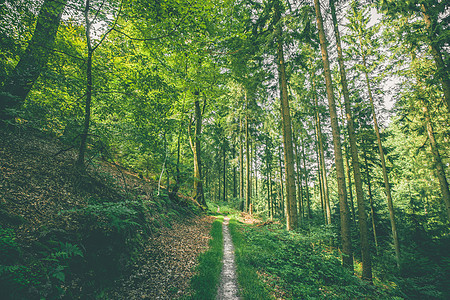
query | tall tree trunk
(224,155)
(349,176)
(305,170)
(443,183)
(19,83)
(282,198)
(362,217)
(256,169)
(442,69)
(87,107)
(241,161)
(291,198)
(247,152)
(372,211)
(173,193)
(234,172)
(322,171)
(382,159)
(196,149)
(440,170)
(319,178)
(299,178)
(343,207)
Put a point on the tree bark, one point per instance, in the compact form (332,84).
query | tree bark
(282,198)
(362,217)
(443,183)
(241,162)
(196,150)
(372,211)
(87,107)
(291,198)
(382,159)
(21,80)
(343,206)
(247,152)
(224,155)
(322,171)
(305,170)
(299,178)
(234,172)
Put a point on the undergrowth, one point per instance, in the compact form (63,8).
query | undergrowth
(251,286)
(204,284)
(295,266)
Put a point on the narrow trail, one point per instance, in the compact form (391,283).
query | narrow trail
(228,288)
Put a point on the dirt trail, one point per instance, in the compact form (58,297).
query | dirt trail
(228,288)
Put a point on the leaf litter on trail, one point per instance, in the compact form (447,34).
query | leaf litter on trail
(166,265)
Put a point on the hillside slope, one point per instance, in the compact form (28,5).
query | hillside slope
(68,234)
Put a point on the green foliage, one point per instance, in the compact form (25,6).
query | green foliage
(60,258)
(251,285)
(204,284)
(301,266)
(112,216)
(8,246)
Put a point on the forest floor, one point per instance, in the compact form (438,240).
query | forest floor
(38,190)
(166,265)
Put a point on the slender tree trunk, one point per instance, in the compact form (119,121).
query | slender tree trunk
(362,217)
(256,169)
(87,107)
(305,170)
(372,211)
(282,198)
(442,69)
(322,171)
(247,151)
(299,178)
(241,162)
(196,149)
(20,81)
(350,190)
(291,198)
(219,180)
(174,192)
(271,195)
(343,207)
(443,183)
(382,159)
(234,172)
(319,178)
(224,155)
(440,169)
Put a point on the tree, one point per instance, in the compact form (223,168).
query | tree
(20,81)
(362,218)
(435,29)
(194,139)
(358,21)
(90,52)
(291,198)
(343,206)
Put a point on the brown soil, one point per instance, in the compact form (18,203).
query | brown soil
(165,267)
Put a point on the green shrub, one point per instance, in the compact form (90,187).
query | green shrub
(293,266)
(9,248)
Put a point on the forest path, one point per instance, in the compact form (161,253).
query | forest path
(228,288)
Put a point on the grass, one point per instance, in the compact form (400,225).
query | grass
(204,284)
(294,266)
(250,284)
